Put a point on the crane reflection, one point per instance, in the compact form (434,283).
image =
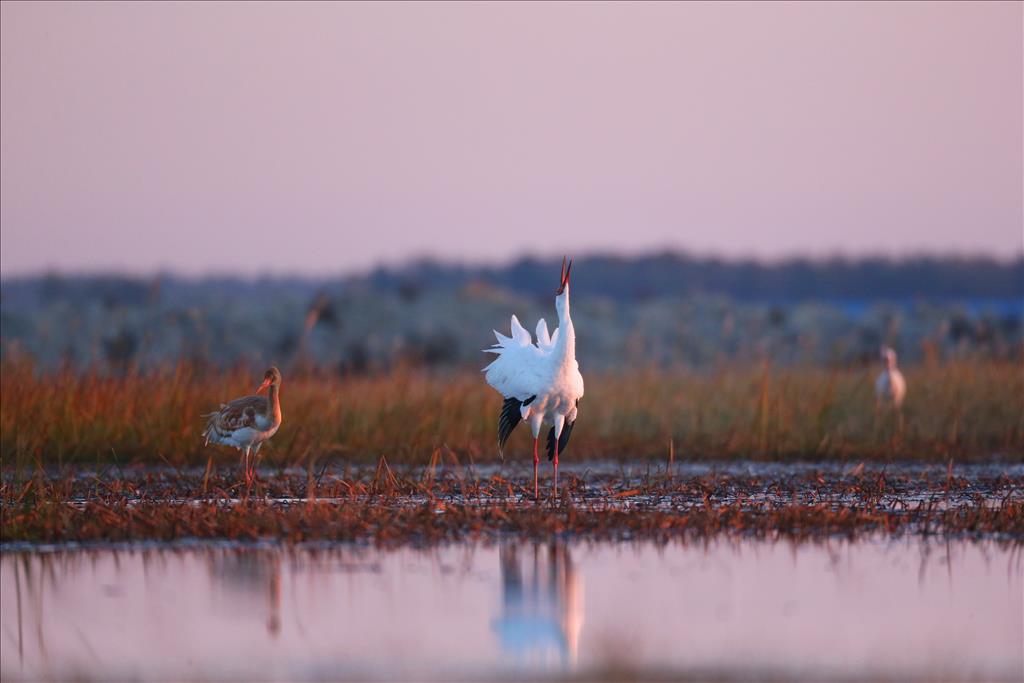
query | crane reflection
(541,604)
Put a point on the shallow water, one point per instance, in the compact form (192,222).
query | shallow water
(604,485)
(887,609)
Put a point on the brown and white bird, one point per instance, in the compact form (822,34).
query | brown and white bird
(247,422)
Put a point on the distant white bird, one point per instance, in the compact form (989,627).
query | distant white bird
(247,422)
(540,382)
(890,387)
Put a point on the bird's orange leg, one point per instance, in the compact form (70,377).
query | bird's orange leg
(536,462)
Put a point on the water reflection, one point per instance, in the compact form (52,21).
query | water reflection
(541,605)
(895,609)
(249,579)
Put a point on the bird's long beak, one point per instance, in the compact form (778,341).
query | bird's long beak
(266,383)
(565,276)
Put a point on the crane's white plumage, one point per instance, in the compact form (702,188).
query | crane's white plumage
(545,370)
(522,368)
(890,386)
(540,381)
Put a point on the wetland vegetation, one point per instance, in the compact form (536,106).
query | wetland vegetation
(962,410)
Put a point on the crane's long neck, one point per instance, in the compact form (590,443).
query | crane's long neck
(565,347)
(274,396)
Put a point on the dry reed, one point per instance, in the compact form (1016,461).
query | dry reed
(960,410)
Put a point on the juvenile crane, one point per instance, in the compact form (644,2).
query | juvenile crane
(247,422)
(540,381)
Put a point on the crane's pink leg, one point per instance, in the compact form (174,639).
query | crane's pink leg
(555,462)
(536,462)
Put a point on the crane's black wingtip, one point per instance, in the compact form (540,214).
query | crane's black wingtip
(508,419)
(563,440)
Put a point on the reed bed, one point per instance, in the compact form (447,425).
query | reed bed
(958,410)
(447,501)
(423,506)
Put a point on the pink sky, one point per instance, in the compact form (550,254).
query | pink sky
(317,138)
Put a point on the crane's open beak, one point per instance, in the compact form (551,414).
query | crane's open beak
(565,276)
(266,383)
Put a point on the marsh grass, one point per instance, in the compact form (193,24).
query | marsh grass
(958,410)
(420,505)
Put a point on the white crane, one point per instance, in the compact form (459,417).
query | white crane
(890,387)
(540,382)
